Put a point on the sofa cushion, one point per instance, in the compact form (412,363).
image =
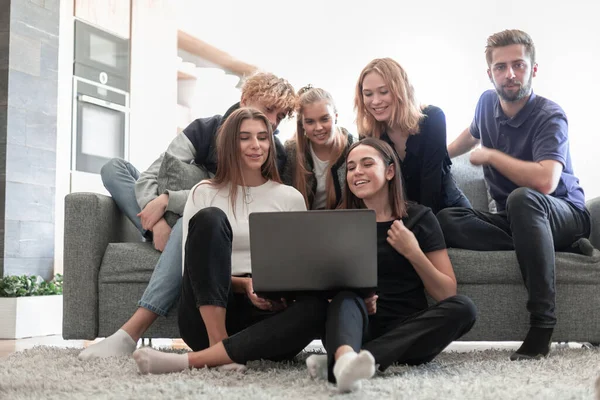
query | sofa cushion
(124,275)
(469,179)
(176,175)
(128,263)
(593,206)
(501,267)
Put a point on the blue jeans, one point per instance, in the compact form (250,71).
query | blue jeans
(119,177)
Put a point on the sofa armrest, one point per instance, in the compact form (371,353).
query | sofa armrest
(594,206)
(92,221)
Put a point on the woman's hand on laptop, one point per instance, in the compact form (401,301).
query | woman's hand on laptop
(371,303)
(258,302)
(278,305)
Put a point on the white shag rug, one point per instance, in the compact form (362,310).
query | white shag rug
(56,373)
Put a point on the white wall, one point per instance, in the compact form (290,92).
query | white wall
(441,44)
(152,123)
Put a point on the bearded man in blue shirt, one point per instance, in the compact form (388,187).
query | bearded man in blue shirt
(527,166)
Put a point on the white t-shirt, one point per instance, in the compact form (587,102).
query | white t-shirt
(268,197)
(321,169)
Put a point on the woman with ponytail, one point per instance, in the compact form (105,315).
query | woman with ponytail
(316,156)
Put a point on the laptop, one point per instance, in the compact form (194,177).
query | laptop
(313,252)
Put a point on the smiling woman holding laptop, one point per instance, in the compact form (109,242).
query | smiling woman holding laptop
(398,327)
(220,316)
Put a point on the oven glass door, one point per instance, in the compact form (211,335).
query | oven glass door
(101,128)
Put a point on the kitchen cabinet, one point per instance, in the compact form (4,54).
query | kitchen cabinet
(111,15)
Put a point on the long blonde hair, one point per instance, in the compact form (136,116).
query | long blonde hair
(229,157)
(406,110)
(309,95)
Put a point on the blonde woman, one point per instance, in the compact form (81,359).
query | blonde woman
(387,109)
(316,156)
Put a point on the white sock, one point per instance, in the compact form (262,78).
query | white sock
(351,368)
(235,367)
(117,344)
(317,366)
(151,361)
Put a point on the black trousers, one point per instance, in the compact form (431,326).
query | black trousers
(534,225)
(412,340)
(253,333)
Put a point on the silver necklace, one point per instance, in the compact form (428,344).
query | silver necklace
(248,196)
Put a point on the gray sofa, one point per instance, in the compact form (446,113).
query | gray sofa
(107,268)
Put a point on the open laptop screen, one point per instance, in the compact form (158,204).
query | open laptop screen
(313,251)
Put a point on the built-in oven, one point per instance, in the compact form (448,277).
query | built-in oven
(101,56)
(100,117)
(100,125)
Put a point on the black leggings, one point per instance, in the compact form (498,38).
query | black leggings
(254,333)
(411,340)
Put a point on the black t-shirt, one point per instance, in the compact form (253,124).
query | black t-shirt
(400,289)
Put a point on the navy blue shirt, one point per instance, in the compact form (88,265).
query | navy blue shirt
(426,165)
(538,132)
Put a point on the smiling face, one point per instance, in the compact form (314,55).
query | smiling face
(511,72)
(367,174)
(377,97)
(254,144)
(318,121)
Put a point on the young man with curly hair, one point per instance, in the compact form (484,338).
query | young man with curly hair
(138,198)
